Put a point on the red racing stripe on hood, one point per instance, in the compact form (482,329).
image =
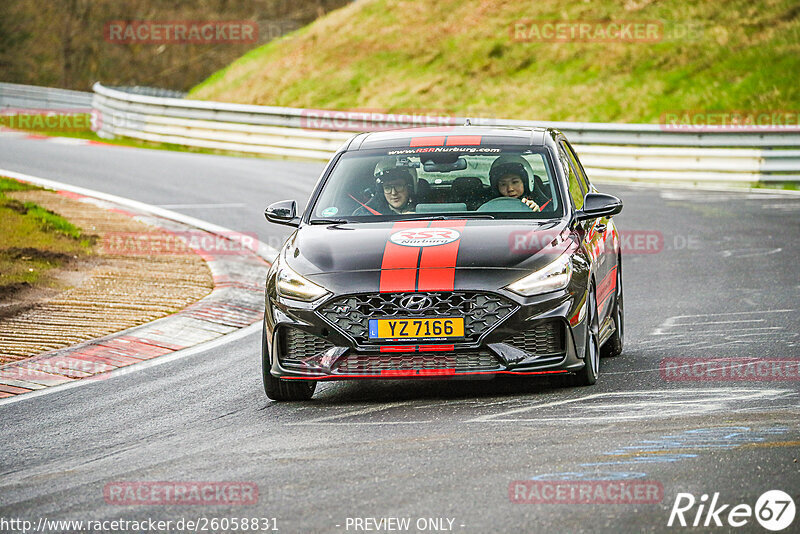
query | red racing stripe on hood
(399,264)
(437,268)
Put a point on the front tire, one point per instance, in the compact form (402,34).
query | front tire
(282,390)
(588,375)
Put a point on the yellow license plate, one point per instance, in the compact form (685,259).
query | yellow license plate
(422,328)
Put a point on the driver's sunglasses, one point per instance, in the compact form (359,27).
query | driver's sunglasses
(399,188)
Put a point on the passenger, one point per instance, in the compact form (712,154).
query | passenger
(511,180)
(394,196)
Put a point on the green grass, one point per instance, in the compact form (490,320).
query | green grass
(458,57)
(33,241)
(50,222)
(7,184)
(786,186)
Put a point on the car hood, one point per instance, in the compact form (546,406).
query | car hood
(425,255)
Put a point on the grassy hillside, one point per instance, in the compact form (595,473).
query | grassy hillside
(459,56)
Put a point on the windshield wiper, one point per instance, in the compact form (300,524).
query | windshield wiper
(422,216)
(329,221)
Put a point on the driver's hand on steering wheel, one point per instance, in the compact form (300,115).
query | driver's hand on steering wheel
(531,204)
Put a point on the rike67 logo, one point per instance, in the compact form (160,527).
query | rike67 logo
(774,510)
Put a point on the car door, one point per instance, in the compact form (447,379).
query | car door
(594,231)
(602,232)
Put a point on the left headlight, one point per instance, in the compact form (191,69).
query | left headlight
(552,277)
(291,285)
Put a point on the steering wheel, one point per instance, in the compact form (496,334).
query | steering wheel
(504,204)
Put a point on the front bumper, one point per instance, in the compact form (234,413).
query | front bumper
(538,336)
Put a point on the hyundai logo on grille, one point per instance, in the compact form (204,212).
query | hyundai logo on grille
(416,303)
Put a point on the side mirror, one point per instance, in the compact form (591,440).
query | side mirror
(283,212)
(596,205)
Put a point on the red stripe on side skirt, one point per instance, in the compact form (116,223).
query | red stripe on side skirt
(437,268)
(399,265)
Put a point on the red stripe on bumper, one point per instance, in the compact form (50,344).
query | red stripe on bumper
(398,372)
(436,372)
(417,372)
(436,348)
(339,377)
(403,348)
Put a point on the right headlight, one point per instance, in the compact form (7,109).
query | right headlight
(552,277)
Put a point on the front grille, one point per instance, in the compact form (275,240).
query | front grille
(461,362)
(546,338)
(301,349)
(481,311)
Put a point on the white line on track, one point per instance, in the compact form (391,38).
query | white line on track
(721,322)
(348,423)
(201,206)
(352,413)
(673,321)
(712,399)
(491,417)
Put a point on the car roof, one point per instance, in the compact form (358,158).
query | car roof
(451,136)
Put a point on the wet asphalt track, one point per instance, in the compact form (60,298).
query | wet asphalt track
(724,285)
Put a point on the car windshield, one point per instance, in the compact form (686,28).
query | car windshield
(409,183)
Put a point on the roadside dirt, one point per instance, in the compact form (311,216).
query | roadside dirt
(104,293)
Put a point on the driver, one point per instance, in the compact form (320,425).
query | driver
(394,196)
(511,180)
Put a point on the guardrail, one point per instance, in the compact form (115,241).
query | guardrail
(19,96)
(647,152)
(642,152)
